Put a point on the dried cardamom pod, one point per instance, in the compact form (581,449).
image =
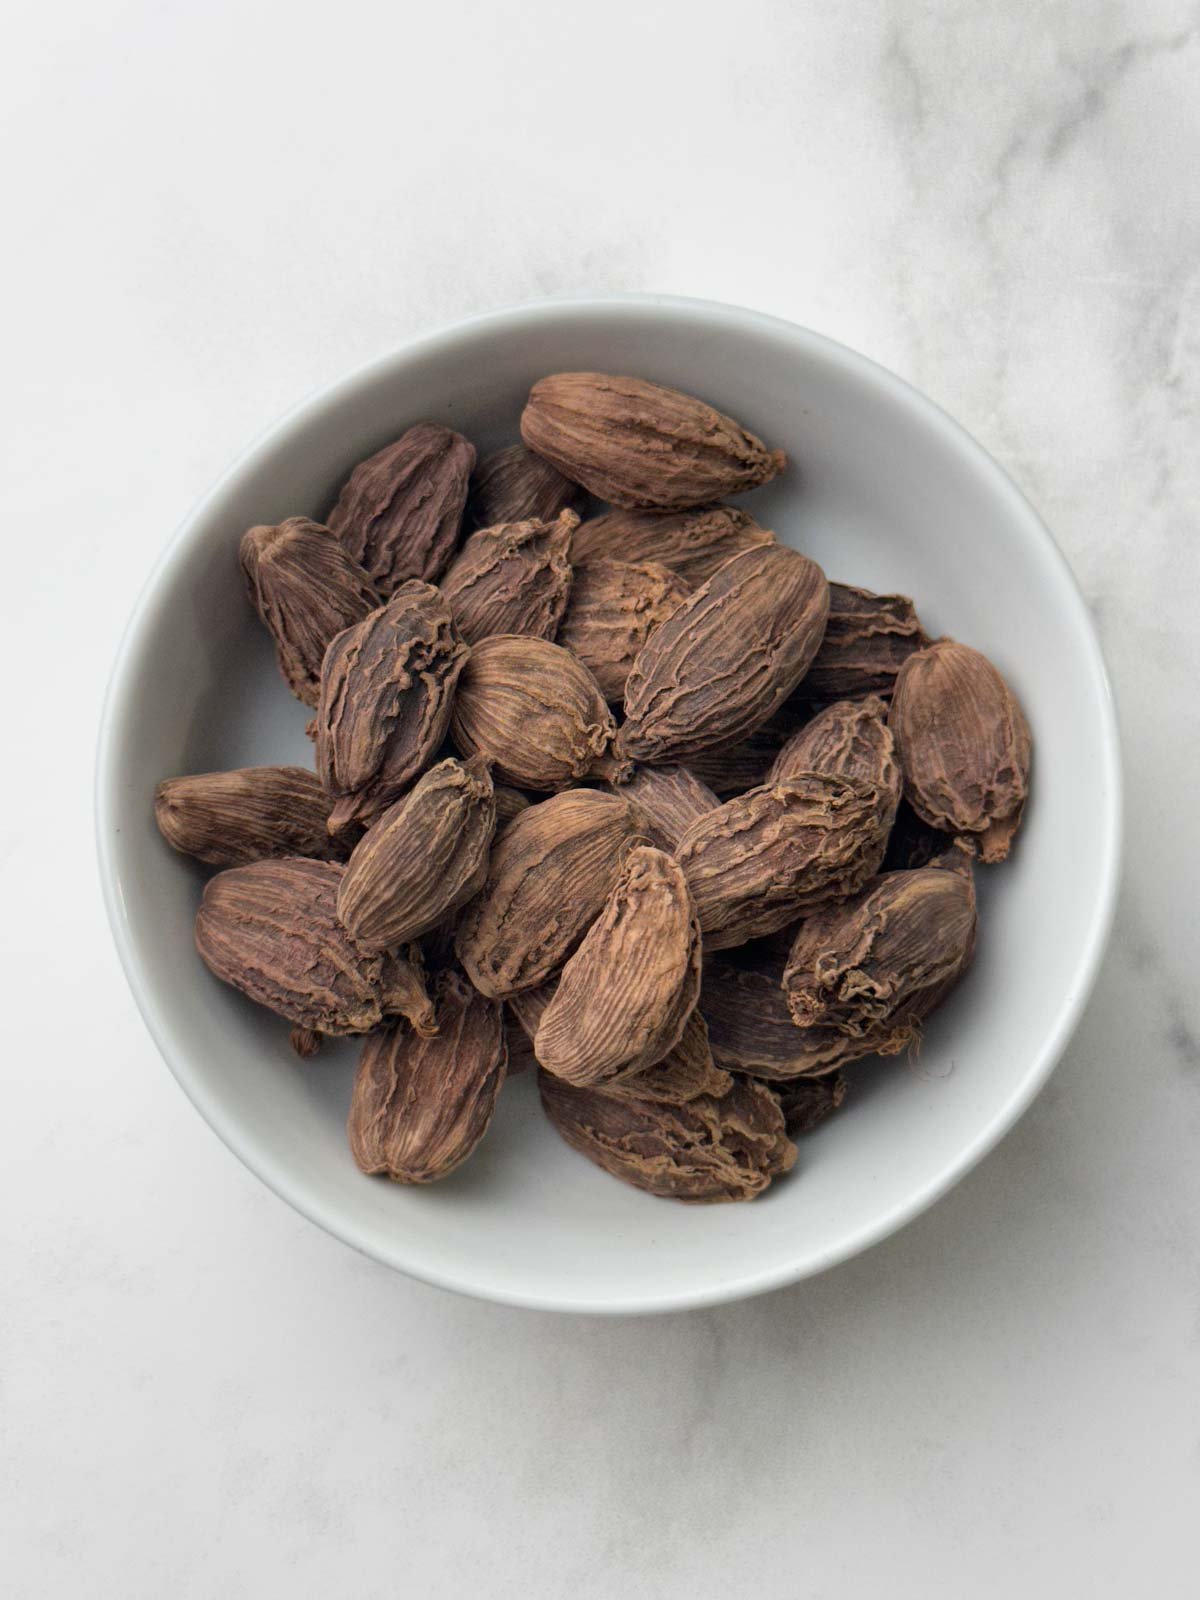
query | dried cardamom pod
(683,1073)
(626,993)
(514,578)
(964,745)
(849,739)
(400,512)
(867,640)
(670,799)
(741,766)
(768,856)
(529,1004)
(874,961)
(726,658)
(614,608)
(531,709)
(509,804)
(638,444)
(425,856)
(230,818)
(305,1042)
(513,485)
(550,873)
(271,930)
(421,1106)
(751,1030)
(520,1045)
(807,1102)
(707,1149)
(387,688)
(306,588)
(691,544)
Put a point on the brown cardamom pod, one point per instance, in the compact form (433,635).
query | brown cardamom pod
(514,485)
(614,608)
(387,689)
(639,444)
(868,638)
(230,818)
(768,856)
(849,739)
(670,800)
(684,1072)
(626,993)
(740,766)
(807,1102)
(751,1030)
(691,544)
(531,709)
(271,930)
(520,1045)
(305,1042)
(421,1106)
(400,511)
(514,578)
(726,658)
(964,745)
(306,588)
(425,856)
(707,1149)
(509,804)
(549,874)
(878,960)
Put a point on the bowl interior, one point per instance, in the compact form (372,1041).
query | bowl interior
(884,491)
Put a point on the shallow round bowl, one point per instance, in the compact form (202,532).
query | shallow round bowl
(885,491)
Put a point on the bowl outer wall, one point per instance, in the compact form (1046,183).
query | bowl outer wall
(886,491)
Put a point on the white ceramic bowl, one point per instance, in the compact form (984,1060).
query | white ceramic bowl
(885,491)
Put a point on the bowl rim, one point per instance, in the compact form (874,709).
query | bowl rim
(118,708)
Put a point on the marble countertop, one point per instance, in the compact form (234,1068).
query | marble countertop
(214,209)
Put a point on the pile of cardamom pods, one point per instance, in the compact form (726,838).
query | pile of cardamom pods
(640,800)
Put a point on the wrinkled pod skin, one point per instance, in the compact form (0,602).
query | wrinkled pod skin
(964,745)
(400,512)
(614,608)
(750,1028)
(549,874)
(767,857)
(726,658)
(421,1106)
(514,485)
(807,1102)
(387,691)
(883,959)
(534,712)
(691,544)
(638,444)
(670,799)
(867,639)
(271,930)
(705,1150)
(425,856)
(684,1072)
(514,578)
(306,588)
(625,996)
(849,739)
(227,819)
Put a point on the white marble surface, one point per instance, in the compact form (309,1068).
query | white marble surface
(214,208)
